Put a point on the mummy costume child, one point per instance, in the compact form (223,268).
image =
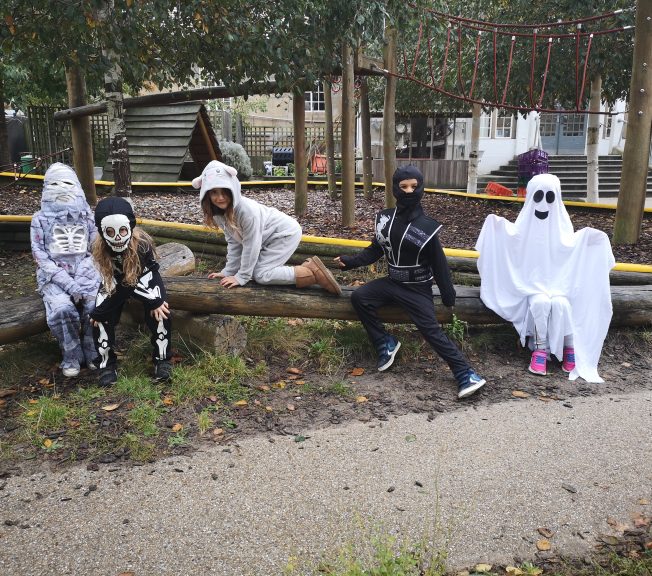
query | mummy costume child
(408,240)
(550,282)
(62,232)
(124,255)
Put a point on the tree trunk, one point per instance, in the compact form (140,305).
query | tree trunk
(5,156)
(329,130)
(348,138)
(239,129)
(365,126)
(300,172)
(633,182)
(389,115)
(474,160)
(82,139)
(592,140)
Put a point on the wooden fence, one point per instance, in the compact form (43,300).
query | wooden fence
(450,174)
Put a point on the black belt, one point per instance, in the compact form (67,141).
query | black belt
(410,273)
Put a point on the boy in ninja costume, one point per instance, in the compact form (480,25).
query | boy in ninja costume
(408,240)
(124,255)
(62,233)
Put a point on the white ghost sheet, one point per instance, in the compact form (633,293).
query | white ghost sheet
(541,254)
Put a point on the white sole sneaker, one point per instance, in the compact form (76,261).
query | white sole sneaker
(389,362)
(70,372)
(471,389)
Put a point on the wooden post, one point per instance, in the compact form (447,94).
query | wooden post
(365,126)
(300,172)
(592,140)
(206,137)
(348,138)
(330,139)
(80,129)
(389,114)
(474,160)
(633,182)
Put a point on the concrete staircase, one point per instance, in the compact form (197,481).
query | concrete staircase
(571,171)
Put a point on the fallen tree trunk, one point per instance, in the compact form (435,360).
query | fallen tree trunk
(23,317)
(632,304)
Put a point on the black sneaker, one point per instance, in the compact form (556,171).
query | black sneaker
(163,370)
(107,377)
(469,384)
(387,353)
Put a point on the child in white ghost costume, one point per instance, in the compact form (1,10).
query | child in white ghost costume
(552,283)
(125,256)
(62,232)
(260,239)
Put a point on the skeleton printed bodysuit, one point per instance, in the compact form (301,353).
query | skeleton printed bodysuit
(115,220)
(61,236)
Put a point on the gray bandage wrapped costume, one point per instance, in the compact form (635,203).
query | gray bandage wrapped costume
(62,233)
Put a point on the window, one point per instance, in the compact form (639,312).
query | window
(315,99)
(485,125)
(503,124)
(606,127)
(573,125)
(548,125)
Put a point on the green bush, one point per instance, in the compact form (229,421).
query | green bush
(235,155)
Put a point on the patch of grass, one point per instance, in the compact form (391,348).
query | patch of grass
(45,414)
(210,374)
(144,419)
(25,358)
(139,450)
(205,421)
(456,329)
(610,566)
(138,388)
(339,387)
(178,439)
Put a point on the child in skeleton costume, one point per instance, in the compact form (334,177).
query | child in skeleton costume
(61,233)
(408,240)
(124,255)
(552,283)
(260,239)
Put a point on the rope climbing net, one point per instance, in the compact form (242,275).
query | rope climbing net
(465,37)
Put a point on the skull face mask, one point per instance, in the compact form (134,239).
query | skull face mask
(116,230)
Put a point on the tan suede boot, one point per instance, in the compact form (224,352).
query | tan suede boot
(303,277)
(323,275)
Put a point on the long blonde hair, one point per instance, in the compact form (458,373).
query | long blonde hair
(140,242)
(210,210)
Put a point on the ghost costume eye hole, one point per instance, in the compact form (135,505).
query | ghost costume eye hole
(550,196)
(538,196)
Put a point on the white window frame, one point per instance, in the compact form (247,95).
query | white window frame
(486,125)
(504,123)
(315,101)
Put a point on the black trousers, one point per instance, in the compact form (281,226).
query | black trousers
(416,300)
(104,333)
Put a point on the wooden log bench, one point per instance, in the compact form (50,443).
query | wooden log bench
(23,317)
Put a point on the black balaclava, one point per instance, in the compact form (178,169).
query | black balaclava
(407,205)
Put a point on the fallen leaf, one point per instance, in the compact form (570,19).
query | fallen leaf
(607,539)
(240,403)
(482,568)
(520,394)
(127,574)
(263,388)
(619,526)
(643,501)
(30,413)
(513,571)
(648,545)
(626,365)
(111,407)
(296,371)
(280,384)
(291,407)
(545,532)
(177,427)
(218,431)
(44,381)
(2,403)
(269,408)
(47,442)
(168,401)
(32,401)
(7,392)
(543,545)
(357,372)
(213,398)
(640,521)
(300,382)
(361,399)
(293,377)
(545,398)
(256,402)
(410,438)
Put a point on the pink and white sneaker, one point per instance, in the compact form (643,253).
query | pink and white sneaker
(568,363)
(538,363)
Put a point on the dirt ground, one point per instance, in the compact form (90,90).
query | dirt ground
(419,382)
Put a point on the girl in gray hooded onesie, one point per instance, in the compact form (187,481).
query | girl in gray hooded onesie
(260,239)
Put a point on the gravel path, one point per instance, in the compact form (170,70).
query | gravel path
(500,473)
